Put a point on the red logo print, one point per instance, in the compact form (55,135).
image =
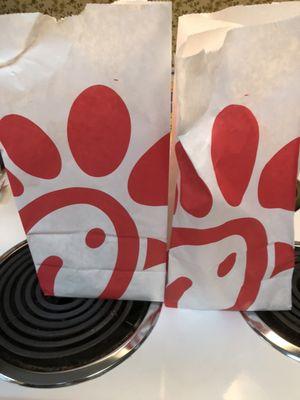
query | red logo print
(234,146)
(99,136)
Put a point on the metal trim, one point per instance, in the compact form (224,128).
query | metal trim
(13,374)
(278,342)
(12,250)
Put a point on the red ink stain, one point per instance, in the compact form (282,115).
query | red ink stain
(277,183)
(156,253)
(95,238)
(15,184)
(99,130)
(226,265)
(29,147)
(195,197)
(284,257)
(148,181)
(233,150)
(47,273)
(175,290)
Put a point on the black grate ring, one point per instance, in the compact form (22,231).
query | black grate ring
(39,333)
(287,323)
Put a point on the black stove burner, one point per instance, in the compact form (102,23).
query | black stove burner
(287,323)
(49,334)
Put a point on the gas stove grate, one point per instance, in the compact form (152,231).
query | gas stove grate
(46,341)
(282,328)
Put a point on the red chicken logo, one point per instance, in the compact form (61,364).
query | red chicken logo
(98,133)
(234,146)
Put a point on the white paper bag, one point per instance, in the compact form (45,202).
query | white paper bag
(85,107)
(238,121)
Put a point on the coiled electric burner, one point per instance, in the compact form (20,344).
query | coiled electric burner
(51,341)
(281,328)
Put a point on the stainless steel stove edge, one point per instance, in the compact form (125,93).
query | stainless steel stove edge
(16,375)
(278,342)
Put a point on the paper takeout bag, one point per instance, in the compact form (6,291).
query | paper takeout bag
(85,108)
(237,119)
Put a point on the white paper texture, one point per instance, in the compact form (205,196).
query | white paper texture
(237,107)
(55,74)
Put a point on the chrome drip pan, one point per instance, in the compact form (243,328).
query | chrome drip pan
(281,328)
(51,341)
